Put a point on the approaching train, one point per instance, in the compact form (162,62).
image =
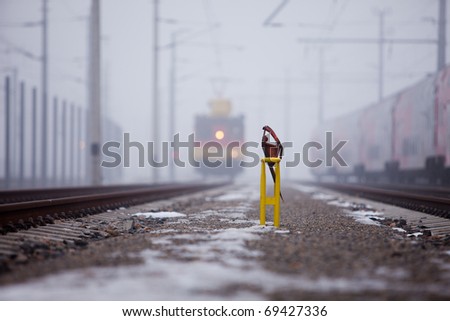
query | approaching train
(404,138)
(221,136)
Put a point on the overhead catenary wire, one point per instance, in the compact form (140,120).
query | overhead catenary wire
(218,88)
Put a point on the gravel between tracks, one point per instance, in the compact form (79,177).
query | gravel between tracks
(219,251)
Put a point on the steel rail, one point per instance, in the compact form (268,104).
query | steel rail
(32,194)
(426,203)
(39,212)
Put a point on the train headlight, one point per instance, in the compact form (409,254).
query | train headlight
(235,153)
(219,134)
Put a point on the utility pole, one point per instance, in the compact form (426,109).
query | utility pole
(172,101)
(63,142)
(155,90)
(7,132)
(381,55)
(95,121)
(287,106)
(44,89)
(22,135)
(442,41)
(55,141)
(34,137)
(79,142)
(321,85)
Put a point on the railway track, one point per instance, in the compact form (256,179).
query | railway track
(436,191)
(26,195)
(71,222)
(431,204)
(411,198)
(41,207)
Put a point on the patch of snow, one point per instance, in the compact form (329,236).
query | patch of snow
(240,193)
(340,203)
(323,197)
(395,273)
(239,221)
(161,241)
(364,217)
(169,230)
(230,197)
(399,229)
(415,234)
(204,214)
(179,221)
(160,214)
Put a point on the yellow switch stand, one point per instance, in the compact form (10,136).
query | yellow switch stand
(270,200)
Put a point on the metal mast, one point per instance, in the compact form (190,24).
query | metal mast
(44,74)
(155,89)
(95,128)
(441,34)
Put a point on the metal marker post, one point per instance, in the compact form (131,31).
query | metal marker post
(270,200)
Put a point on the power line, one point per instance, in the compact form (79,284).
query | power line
(268,21)
(381,41)
(335,21)
(23,52)
(29,24)
(442,38)
(218,88)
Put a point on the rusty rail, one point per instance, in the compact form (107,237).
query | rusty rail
(425,201)
(20,215)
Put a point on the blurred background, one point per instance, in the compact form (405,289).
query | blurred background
(76,74)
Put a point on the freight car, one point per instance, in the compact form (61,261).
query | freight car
(220,136)
(404,138)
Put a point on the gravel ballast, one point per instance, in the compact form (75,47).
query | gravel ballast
(211,247)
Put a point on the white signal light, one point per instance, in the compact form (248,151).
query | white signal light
(220,134)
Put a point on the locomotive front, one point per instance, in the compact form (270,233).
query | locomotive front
(221,137)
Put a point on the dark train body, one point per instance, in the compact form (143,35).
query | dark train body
(405,138)
(221,136)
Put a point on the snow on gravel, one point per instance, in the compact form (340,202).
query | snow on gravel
(241,194)
(210,265)
(365,217)
(160,214)
(323,196)
(162,279)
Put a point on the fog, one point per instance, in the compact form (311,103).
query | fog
(247,51)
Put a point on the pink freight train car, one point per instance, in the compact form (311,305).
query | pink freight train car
(404,138)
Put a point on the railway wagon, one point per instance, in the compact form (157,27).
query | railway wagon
(343,128)
(413,123)
(375,139)
(442,130)
(221,136)
(404,138)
